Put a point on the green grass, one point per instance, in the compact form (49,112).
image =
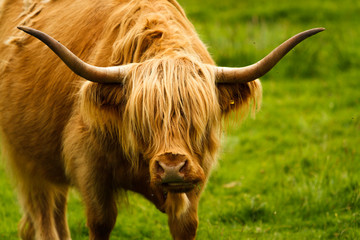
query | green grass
(294,171)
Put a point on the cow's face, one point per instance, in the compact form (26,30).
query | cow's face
(172,118)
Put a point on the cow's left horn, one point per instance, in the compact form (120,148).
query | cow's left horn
(254,71)
(115,74)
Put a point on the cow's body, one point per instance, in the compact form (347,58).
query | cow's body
(155,131)
(59,130)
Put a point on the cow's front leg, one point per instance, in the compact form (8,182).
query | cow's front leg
(182,214)
(101,218)
(96,187)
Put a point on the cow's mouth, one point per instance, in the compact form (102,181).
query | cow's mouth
(179,187)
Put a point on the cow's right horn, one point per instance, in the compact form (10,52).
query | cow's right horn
(115,74)
(259,69)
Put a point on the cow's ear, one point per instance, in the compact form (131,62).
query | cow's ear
(239,97)
(102,96)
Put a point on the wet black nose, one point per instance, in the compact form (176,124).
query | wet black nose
(171,173)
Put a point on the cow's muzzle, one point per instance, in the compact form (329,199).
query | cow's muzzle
(176,173)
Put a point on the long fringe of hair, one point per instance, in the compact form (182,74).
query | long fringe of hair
(172,101)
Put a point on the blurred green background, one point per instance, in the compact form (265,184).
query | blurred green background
(293,172)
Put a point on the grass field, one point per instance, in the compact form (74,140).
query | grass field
(293,172)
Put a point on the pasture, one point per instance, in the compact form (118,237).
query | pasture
(292,172)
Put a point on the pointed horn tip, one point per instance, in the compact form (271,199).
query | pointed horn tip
(317,30)
(320,29)
(311,32)
(25,29)
(22,28)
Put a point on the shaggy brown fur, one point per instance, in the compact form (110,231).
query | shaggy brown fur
(59,130)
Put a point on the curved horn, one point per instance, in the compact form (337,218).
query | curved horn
(114,74)
(259,69)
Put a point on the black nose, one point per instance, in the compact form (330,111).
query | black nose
(171,173)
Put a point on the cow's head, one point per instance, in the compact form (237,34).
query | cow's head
(172,117)
(171,108)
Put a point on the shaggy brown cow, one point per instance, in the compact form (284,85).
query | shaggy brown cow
(150,124)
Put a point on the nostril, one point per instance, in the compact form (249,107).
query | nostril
(184,166)
(159,168)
